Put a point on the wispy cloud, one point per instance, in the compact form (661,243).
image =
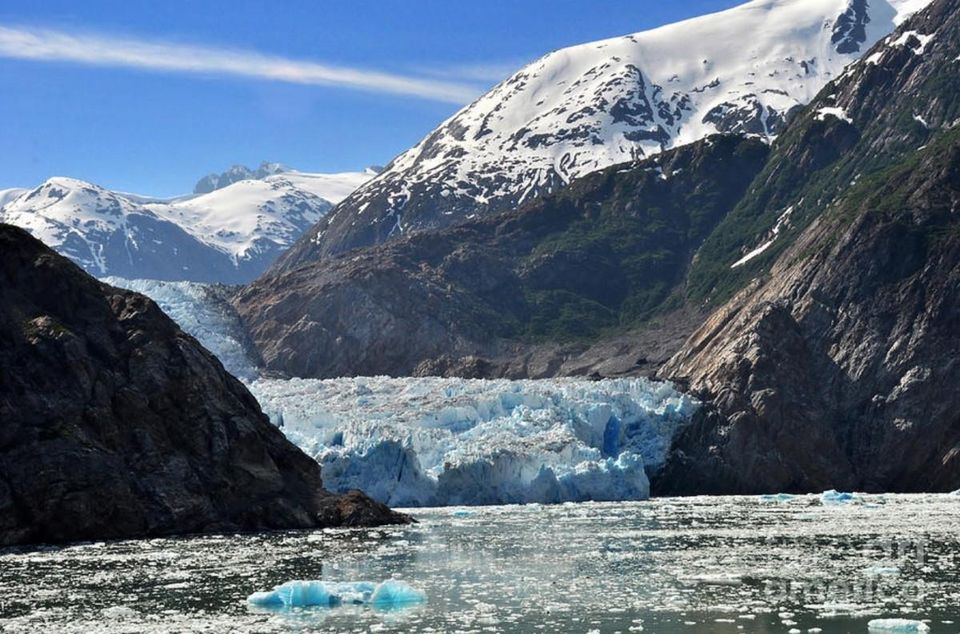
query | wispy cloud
(487,73)
(105,50)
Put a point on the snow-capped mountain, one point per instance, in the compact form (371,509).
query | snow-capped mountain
(229,235)
(235,174)
(583,108)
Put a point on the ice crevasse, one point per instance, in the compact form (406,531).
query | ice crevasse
(435,442)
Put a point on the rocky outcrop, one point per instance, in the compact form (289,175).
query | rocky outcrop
(836,365)
(552,288)
(114,423)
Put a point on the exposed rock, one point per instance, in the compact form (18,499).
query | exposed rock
(836,366)
(552,288)
(114,423)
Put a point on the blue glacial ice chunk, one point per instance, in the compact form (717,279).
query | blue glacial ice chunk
(956,493)
(778,497)
(897,626)
(463,513)
(299,594)
(833,498)
(396,594)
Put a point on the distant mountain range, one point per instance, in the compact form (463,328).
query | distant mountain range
(580,109)
(230,234)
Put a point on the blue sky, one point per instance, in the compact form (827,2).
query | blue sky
(173,90)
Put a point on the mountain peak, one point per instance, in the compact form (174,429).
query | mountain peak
(583,108)
(235,174)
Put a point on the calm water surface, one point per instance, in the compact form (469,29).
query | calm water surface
(669,565)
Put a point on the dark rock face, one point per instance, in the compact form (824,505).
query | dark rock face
(523,294)
(114,423)
(839,371)
(835,365)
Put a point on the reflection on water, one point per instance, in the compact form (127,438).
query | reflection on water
(692,565)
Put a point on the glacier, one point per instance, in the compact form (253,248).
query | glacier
(448,442)
(204,312)
(412,442)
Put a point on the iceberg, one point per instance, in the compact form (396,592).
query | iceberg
(897,626)
(325,594)
(835,498)
(431,441)
(777,497)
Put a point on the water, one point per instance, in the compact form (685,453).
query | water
(668,565)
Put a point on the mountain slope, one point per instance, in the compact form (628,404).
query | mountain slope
(834,364)
(230,235)
(584,108)
(114,423)
(515,294)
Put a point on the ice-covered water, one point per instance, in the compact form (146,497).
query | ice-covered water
(434,442)
(667,565)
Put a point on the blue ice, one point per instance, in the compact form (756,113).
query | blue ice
(778,497)
(299,594)
(833,497)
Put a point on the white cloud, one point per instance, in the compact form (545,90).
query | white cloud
(102,50)
(491,73)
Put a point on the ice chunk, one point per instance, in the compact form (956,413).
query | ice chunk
(834,498)
(299,594)
(956,493)
(449,442)
(396,594)
(778,497)
(897,626)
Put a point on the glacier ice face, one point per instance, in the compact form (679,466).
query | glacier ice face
(204,312)
(300,594)
(436,442)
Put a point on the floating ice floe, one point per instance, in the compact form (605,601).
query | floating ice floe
(897,626)
(777,497)
(833,497)
(326,594)
(452,442)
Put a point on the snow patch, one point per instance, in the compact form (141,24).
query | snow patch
(839,113)
(774,234)
(906,37)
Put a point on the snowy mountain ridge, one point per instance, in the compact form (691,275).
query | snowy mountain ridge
(583,108)
(229,235)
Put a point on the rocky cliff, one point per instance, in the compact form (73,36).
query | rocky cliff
(114,423)
(835,363)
